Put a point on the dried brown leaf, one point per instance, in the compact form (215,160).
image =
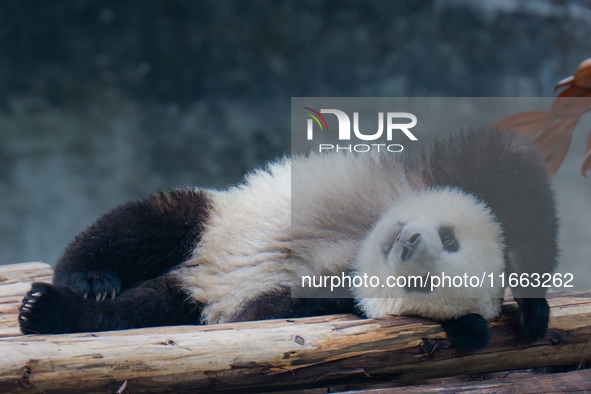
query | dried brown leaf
(530,129)
(559,151)
(560,130)
(582,77)
(572,105)
(585,63)
(586,166)
(527,123)
(553,142)
(572,91)
(564,82)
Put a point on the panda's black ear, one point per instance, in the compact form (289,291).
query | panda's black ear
(469,332)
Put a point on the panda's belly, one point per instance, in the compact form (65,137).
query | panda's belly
(258,240)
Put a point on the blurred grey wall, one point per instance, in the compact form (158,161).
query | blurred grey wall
(105,101)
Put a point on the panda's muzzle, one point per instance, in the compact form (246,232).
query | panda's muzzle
(410,246)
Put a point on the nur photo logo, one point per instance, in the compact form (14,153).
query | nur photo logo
(389,125)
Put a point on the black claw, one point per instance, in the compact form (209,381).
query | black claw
(46,309)
(91,285)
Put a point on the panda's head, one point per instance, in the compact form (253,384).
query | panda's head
(444,239)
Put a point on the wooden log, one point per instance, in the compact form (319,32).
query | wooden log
(512,382)
(15,281)
(283,354)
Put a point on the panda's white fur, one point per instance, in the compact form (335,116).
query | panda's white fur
(342,208)
(245,244)
(480,254)
(200,256)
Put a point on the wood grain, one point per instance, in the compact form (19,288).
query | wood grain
(279,354)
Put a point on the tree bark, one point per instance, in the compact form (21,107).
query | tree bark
(15,281)
(510,382)
(278,355)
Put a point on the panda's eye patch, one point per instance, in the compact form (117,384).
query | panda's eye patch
(448,240)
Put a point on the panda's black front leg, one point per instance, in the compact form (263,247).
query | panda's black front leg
(534,313)
(533,317)
(512,179)
(134,242)
(47,309)
(469,332)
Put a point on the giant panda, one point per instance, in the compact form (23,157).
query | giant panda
(476,202)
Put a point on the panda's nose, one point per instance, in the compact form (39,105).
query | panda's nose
(410,246)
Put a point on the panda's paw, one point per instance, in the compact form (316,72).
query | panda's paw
(91,285)
(45,309)
(533,317)
(469,332)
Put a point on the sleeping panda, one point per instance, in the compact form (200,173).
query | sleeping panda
(478,202)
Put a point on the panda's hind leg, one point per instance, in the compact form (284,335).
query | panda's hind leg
(47,309)
(137,241)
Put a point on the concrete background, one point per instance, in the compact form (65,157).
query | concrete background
(105,101)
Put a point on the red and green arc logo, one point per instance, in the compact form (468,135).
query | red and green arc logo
(316,115)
